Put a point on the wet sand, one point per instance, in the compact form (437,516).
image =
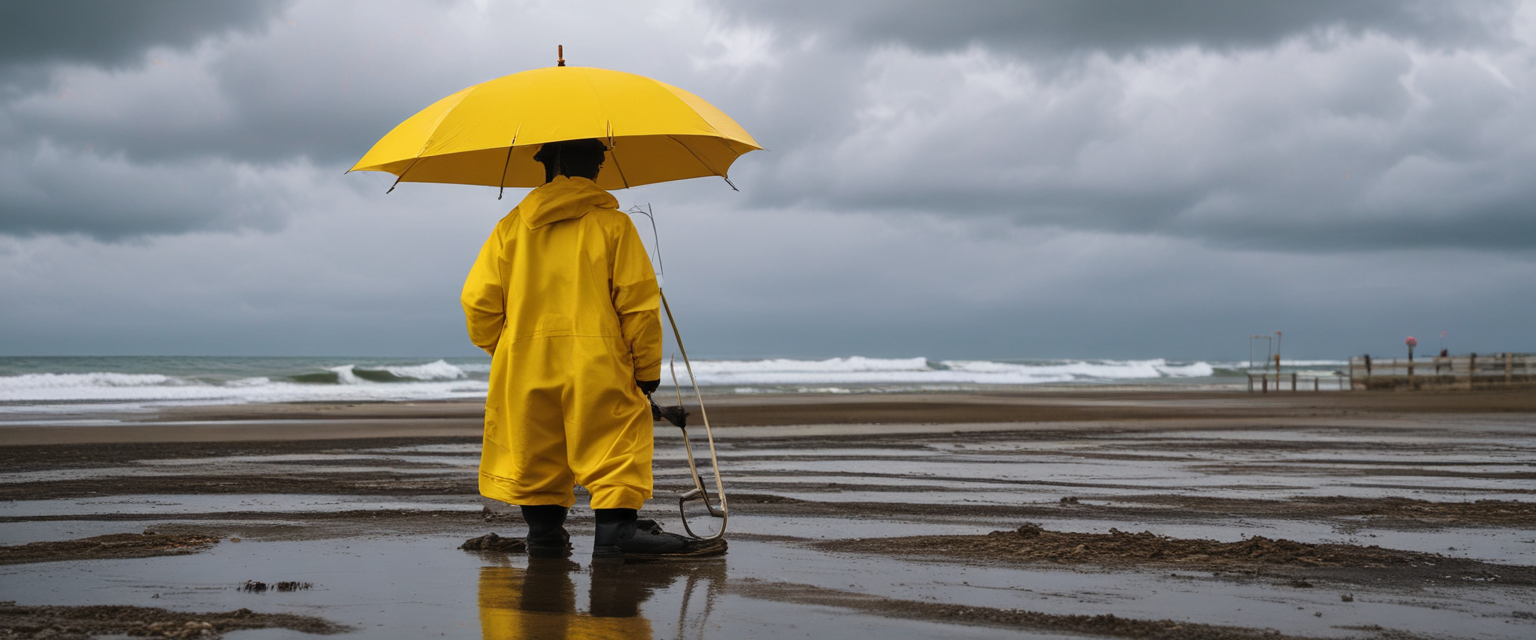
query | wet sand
(114,546)
(1309,515)
(1298,561)
(118,621)
(453,418)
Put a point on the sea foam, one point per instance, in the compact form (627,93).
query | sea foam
(32,382)
(347,382)
(920,371)
(439,370)
(240,381)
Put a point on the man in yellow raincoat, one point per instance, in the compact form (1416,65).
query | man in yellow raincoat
(564,299)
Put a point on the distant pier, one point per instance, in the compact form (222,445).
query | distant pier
(1471,371)
(1465,372)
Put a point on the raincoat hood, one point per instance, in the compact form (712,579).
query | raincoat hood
(564,199)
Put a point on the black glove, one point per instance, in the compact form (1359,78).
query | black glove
(677,416)
(648,386)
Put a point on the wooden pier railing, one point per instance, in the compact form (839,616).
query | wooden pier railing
(1470,371)
(1266,381)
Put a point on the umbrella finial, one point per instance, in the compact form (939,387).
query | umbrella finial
(560,52)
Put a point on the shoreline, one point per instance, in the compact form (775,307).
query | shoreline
(829,413)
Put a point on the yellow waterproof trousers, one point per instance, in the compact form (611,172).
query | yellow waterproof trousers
(582,426)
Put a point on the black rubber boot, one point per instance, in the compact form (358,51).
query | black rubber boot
(547,586)
(547,537)
(622,535)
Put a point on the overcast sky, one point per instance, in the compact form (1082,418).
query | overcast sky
(1114,179)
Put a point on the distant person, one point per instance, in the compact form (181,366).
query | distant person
(564,299)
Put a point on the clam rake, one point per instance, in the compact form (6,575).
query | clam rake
(678,417)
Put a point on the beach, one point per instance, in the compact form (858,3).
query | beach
(1104,511)
(1041,320)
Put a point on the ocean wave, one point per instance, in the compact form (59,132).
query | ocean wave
(375,380)
(249,382)
(855,364)
(354,374)
(920,371)
(41,381)
(433,380)
(439,370)
(1238,368)
(243,391)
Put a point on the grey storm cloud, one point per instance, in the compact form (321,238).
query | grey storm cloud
(242,99)
(1292,126)
(1123,26)
(135,119)
(1351,138)
(114,33)
(52,190)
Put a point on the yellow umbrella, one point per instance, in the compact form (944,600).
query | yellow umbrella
(487,134)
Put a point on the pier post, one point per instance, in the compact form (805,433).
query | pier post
(1293,382)
(1250,383)
(1509,368)
(1317,385)
(1471,369)
(1264,383)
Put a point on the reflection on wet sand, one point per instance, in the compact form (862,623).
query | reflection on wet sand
(540,601)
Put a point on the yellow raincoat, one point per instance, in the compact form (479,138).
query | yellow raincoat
(564,299)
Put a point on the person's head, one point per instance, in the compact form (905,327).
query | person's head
(572,158)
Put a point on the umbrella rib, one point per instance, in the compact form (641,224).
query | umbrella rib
(685,147)
(727,146)
(508,163)
(704,164)
(410,166)
(402,175)
(622,178)
(428,143)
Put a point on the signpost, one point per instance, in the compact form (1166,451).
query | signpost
(1412,342)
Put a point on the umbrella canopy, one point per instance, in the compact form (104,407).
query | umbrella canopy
(487,134)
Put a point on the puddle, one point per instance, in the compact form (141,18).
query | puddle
(172,505)
(297,458)
(14,533)
(996,468)
(839,453)
(1502,546)
(419,586)
(408,585)
(472,449)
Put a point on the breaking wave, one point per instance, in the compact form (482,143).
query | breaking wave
(920,371)
(46,382)
(434,380)
(38,383)
(353,374)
